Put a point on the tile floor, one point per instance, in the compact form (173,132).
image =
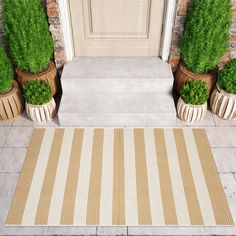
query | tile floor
(14,139)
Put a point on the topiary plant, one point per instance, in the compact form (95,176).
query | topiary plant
(194,92)
(206,34)
(27,34)
(227,77)
(37,92)
(6,72)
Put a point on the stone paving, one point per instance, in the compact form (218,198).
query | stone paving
(15,136)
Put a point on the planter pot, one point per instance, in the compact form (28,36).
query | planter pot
(11,103)
(50,75)
(190,113)
(183,75)
(41,113)
(223,104)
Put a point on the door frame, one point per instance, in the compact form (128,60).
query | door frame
(166,37)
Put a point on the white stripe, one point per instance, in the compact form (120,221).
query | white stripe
(38,178)
(153,179)
(84,178)
(60,179)
(199,179)
(131,208)
(107,178)
(176,179)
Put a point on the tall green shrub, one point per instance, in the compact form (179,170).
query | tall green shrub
(27,33)
(6,72)
(206,34)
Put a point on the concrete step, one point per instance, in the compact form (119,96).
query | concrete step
(117,103)
(117,119)
(117,92)
(121,68)
(77,85)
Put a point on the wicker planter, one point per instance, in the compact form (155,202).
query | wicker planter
(50,75)
(190,113)
(183,75)
(223,104)
(41,113)
(11,103)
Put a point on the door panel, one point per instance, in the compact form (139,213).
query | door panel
(116,27)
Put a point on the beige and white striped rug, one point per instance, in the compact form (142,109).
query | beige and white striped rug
(111,176)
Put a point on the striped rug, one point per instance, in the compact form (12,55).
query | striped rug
(111,177)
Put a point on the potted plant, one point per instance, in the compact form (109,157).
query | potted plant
(11,99)
(40,105)
(30,42)
(204,41)
(192,104)
(223,98)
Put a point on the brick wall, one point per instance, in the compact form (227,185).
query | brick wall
(181,13)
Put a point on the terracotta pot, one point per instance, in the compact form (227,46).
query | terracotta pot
(223,104)
(190,113)
(183,75)
(50,75)
(11,103)
(41,113)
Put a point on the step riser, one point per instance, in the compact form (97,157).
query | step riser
(117,120)
(118,85)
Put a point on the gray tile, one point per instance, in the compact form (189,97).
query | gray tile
(19,137)
(225,159)
(3,135)
(11,159)
(103,231)
(23,121)
(221,122)
(7,184)
(221,136)
(206,121)
(6,123)
(90,230)
(178,230)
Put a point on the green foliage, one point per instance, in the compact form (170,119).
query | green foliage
(227,77)
(194,92)
(37,92)
(206,34)
(27,33)
(6,72)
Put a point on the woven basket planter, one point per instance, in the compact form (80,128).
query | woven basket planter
(190,113)
(183,75)
(50,75)
(11,103)
(41,113)
(223,104)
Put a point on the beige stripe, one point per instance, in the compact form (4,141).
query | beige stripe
(16,211)
(216,192)
(118,209)
(93,209)
(49,179)
(144,211)
(165,182)
(67,215)
(189,186)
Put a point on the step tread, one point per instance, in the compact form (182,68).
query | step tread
(117,103)
(119,68)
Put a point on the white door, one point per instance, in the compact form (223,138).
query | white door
(117,28)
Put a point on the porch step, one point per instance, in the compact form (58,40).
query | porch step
(117,92)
